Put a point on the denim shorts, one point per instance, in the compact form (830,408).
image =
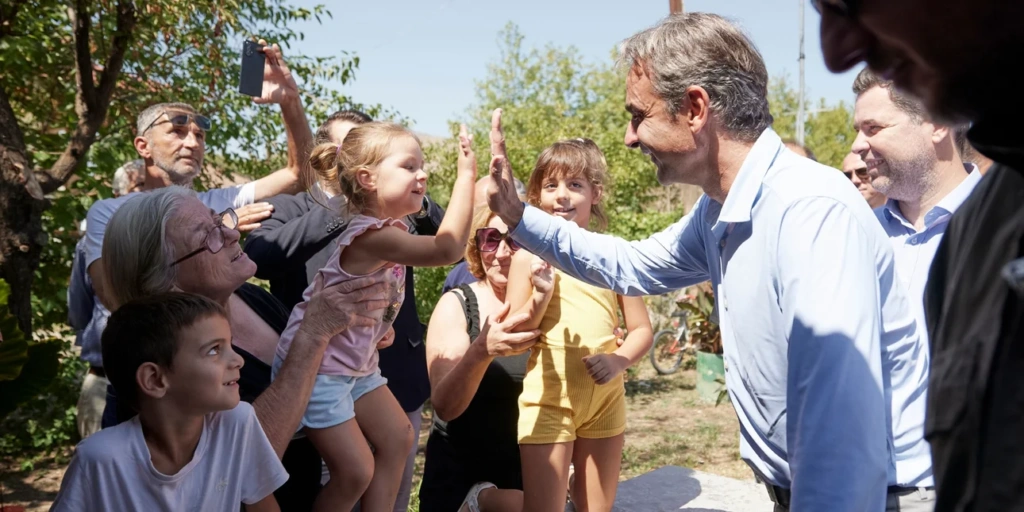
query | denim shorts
(334,397)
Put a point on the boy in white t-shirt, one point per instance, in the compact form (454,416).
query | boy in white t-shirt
(192,446)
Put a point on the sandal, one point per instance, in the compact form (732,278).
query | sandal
(471,503)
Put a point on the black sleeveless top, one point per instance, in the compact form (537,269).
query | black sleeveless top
(481,445)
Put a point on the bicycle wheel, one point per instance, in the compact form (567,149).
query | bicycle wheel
(664,360)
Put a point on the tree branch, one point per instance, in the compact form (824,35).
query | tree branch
(92,113)
(85,100)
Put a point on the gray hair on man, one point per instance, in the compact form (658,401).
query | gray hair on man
(126,176)
(149,116)
(705,50)
(136,257)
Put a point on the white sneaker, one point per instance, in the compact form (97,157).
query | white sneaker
(471,503)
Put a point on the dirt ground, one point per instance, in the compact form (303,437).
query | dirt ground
(667,425)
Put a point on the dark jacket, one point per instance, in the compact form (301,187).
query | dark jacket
(974,305)
(296,241)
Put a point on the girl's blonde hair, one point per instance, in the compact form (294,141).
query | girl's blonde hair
(567,159)
(364,148)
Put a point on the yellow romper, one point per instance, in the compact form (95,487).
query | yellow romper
(560,400)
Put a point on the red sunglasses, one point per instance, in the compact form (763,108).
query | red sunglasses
(488,240)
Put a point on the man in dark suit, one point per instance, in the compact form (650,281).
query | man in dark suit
(297,241)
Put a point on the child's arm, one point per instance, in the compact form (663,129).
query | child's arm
(447,246)
(531,283)
(268,504)
(604,367)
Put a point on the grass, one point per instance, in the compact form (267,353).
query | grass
(667,425)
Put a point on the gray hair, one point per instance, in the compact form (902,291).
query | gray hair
(123,176)
(136,254)
(705,50)
(148,116)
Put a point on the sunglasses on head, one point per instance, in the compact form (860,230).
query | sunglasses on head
(181,120)
(488,240)
(862,173)
(845,8)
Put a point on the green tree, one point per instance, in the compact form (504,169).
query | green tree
(74,76)
(547,95)
(829,129)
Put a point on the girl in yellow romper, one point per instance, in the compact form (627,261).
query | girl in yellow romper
(573,407)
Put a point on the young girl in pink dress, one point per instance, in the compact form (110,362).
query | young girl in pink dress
(379,170)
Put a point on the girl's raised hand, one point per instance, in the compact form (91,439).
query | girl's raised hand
(467,159)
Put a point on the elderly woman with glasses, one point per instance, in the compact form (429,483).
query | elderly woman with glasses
(168,240)
(476,369)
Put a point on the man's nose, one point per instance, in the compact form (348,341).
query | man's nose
(844,41)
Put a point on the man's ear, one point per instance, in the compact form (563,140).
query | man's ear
(151,380)
(940,132)
(696,107)
(142,147)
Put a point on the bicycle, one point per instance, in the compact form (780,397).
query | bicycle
(670,344)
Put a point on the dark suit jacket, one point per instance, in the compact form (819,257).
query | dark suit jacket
(296,241)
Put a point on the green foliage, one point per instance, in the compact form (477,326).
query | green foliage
(698,302)
(829,129)
(180,51)
(548,95)
(45,424)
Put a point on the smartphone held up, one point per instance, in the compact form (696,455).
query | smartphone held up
(253,61)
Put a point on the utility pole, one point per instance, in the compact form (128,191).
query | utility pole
(675,6)
(800,113)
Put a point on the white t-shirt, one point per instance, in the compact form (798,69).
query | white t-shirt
(233,464)
(218,199)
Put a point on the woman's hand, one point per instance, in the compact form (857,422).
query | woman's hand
(333,309)
(496,336)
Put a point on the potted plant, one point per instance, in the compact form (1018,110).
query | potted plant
(706,339)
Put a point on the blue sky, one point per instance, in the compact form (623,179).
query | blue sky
(422,57)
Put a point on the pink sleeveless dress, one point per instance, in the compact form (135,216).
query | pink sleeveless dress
(353,353)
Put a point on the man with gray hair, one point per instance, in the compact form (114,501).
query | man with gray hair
(820,343)
(916,163)
(171,141)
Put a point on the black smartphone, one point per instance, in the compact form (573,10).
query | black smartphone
(253,59)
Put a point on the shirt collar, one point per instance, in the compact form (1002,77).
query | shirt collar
(946,206)
(747,186)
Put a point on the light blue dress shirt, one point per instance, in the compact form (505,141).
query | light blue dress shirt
(816,330)
(914,252)
(85,313)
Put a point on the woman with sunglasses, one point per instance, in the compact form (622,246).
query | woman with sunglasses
(168,240)
(476,369)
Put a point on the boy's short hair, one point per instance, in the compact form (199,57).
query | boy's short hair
(146,330)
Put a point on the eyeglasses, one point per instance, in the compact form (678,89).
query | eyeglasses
(862,173)
(214,240)
(488,240)
(181,120)
(844,8)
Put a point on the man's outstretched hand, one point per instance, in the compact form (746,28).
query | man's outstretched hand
(501,191)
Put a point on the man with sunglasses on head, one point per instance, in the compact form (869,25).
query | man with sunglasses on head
(957,56)
(857,171)
(171,140)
